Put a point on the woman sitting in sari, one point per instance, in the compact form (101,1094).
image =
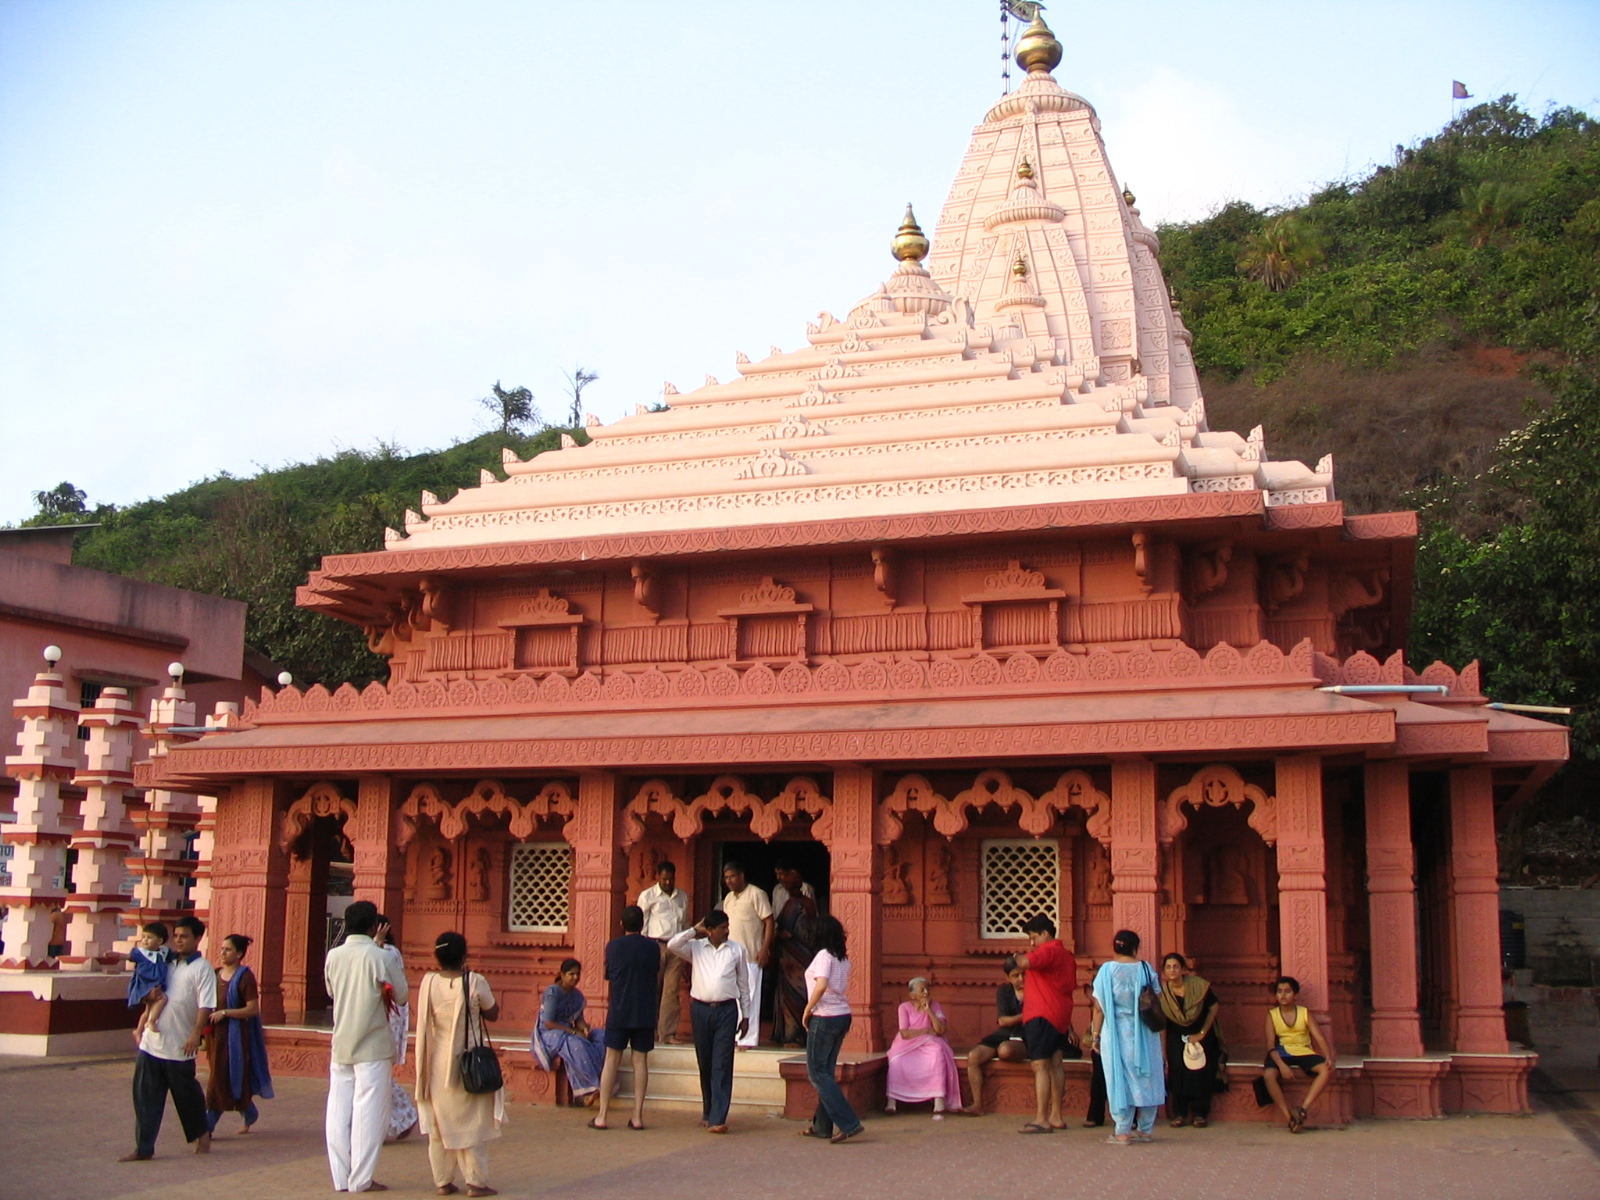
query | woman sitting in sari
(795,907)
(234,1043)
(1191,1010)
(921,1063)
(563,1033)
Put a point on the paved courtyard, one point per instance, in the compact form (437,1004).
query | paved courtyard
(63,1125)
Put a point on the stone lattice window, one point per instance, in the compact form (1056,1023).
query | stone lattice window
(1021,878)
(541,878)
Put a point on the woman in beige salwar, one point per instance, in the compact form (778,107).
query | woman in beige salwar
(458,1123)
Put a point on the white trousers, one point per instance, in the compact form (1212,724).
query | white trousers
(358,1119)
(752,1035)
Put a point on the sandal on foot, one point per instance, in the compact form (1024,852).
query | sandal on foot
(841,1137)
(635,1128)
(594,1124)
(1120,1139)
(1034,1127)
(1199,1122)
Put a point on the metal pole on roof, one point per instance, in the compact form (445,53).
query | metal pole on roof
(1377,689)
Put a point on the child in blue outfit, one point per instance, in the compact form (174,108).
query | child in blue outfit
(148,987)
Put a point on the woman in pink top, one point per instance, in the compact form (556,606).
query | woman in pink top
(921,1063)
(826,1020)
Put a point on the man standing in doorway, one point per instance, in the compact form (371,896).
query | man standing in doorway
(751,925)
(666,914)
(167,1049)
(719,995)
(362,980)
(632,963)
(1046,1017)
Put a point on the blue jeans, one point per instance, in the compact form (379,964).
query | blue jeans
(823,1040)
(1124,1118)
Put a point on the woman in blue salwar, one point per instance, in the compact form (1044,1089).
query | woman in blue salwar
(563,1033)
(1130,1050)
(235,1047)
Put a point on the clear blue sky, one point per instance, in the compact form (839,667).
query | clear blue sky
(236,234)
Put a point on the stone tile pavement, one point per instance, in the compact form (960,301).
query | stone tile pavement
(62,1125)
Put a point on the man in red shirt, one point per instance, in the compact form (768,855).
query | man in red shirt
(1046,1017)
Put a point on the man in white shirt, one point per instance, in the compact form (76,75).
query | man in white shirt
(165,1063)
(666,914)
(719,995)
(363,1049)
(750,924)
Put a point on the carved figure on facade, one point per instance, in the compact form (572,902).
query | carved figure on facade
(1227,876)
(320,800)
(1097,889)
(937,857)
(1213,786)
(478,875)
(895,889)
(1208,566)
(438,867)
(727,793)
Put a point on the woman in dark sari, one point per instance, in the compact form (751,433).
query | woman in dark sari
(795,908)
(1191,1010)
(235,1047)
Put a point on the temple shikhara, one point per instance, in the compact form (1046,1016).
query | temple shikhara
(961,605)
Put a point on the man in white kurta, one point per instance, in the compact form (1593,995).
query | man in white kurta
(363,1048)
(750,924)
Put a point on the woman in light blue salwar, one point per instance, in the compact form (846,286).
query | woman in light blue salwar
(1136,1084)
(562,1033)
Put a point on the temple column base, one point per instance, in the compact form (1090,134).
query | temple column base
(1402,1088)
(48,1013)
(1489,1083)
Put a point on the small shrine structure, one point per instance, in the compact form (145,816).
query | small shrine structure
(962,604)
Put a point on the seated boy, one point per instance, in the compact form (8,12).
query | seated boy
(1291,1032)
(148,987)
(1005,1042)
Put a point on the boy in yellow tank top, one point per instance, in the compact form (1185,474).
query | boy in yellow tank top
(1293,1039)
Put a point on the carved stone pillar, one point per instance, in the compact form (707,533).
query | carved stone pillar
(1392,908)
(46,757)
(1474,868)
(250,884)
(856,891)
(161,860)
(599,865)
(380,864)
(1302,880)
(1135,856)
(97,903)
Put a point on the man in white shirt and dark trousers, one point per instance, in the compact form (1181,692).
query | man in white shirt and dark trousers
(166,1051)
(719,993)
(363,1049)
(666,914)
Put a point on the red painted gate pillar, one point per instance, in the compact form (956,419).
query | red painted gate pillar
(598,866)
(250,884)
(1474,866)
(856,899)
(1392,909)
(379,863)
(1135,856)
(1302,880)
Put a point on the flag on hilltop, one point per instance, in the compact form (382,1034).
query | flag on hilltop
(1458,90)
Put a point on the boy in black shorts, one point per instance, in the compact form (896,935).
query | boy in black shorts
(1005,1043)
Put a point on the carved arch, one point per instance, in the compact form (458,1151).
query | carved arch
(1213,786)
(486,796)
(322,799)
(912,793)
(727,793)
(1036,815)
(1076,789)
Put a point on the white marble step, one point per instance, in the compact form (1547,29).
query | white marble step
(675,1080)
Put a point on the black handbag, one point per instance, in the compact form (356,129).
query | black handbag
(480,1066)
(1149,1006)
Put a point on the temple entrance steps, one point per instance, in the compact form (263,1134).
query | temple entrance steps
(758,1087)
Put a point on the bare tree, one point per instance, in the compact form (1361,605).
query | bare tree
(513,410)
(578,379)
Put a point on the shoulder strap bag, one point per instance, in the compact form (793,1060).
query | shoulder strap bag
(480,1066)
(1150,1005)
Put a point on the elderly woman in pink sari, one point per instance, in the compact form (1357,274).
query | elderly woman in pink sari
(921,1063)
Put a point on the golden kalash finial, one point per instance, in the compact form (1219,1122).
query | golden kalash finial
(1020,267)
(1127,195)
(910,242)
(1025,170)
(1037,48)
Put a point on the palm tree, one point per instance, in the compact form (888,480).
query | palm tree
(513,409)
(1489,207)
(1282,251)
